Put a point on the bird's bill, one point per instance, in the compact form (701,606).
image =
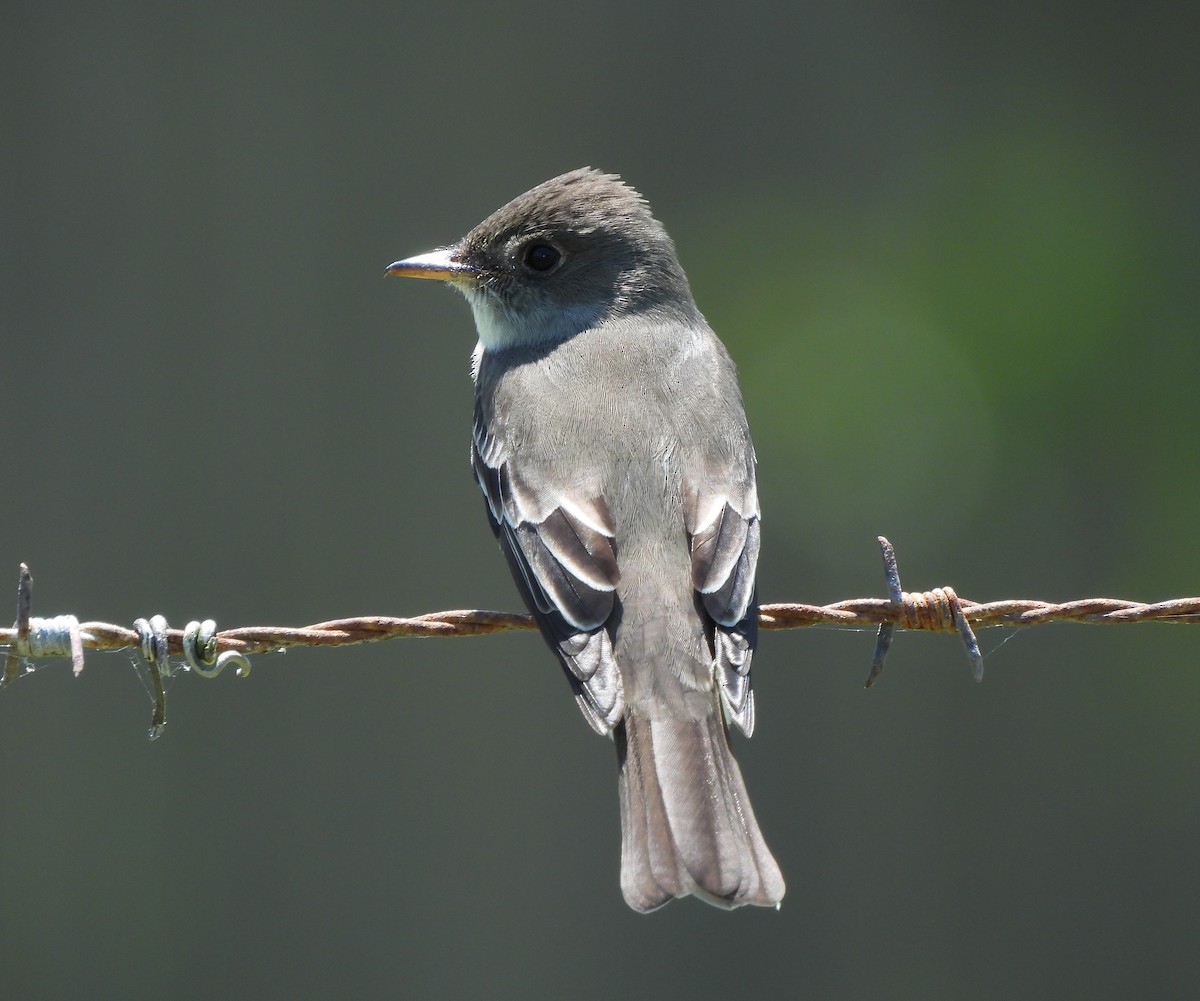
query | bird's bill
(438,264)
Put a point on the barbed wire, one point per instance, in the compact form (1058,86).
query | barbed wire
(207,651)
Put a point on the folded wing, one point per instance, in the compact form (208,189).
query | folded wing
(561,553)
(724,529)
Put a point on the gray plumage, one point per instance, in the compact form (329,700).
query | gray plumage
(611,444)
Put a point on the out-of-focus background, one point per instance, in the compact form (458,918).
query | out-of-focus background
(953,249)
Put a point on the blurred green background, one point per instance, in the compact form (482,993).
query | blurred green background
(953,248)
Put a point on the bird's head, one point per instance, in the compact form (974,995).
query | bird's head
(572,252)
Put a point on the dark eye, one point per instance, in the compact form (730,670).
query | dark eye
(541,257)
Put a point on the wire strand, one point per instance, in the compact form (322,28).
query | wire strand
(207,650)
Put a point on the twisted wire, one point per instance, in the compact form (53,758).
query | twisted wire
(206,651)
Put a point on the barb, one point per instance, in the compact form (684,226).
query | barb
(206,651)
(936,609)
(20,641)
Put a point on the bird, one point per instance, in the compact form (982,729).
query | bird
(611,444)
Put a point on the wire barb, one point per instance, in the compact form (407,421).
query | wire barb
(36,638)
(937,610)
(12,661)
(54,637)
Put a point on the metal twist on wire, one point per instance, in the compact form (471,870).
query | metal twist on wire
(155,652)
(155,645)
(54,637)
(199,642)
(200,651)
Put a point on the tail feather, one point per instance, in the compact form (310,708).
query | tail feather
(687,825)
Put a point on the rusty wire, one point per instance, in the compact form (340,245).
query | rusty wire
(938,610)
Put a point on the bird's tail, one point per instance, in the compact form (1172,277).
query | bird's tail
(686,822)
